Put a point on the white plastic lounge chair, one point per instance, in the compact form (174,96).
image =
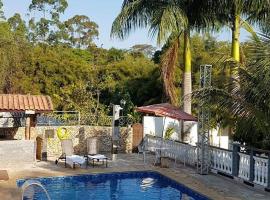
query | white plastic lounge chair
(98,158)
(92,145)
(68,154)
(92,152)
(142,150)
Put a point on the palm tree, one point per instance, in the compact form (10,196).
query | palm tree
(239,14)
(168,19)
(249,104)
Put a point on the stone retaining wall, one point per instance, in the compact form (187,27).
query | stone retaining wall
(52,145)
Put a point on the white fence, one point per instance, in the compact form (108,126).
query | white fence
(221,160)
(249,168)
(260,171)
(244,166)
(175,150)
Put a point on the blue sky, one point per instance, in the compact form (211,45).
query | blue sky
(103,12)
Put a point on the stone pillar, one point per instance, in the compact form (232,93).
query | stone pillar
(235,159)
(268,175)
(251,166)
(115,130)
(129,140)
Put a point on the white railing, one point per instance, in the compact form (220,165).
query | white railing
(221,160)
(260,170)
(175,150)
(244,166)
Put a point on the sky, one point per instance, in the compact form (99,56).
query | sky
(103,12)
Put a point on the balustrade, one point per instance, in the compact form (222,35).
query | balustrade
(245,166)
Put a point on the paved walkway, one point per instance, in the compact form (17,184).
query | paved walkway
(214,186)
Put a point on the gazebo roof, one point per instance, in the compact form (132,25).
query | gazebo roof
(166,110)
(22,103)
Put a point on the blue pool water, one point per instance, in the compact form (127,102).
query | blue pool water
(113,186)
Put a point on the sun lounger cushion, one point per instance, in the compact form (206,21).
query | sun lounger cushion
(98,156)
(70,160)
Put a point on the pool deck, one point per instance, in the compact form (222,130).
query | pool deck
(213,186)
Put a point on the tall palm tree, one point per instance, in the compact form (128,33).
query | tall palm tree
(239,14)
(248,105)
(167,19)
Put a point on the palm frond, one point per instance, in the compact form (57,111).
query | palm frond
(168,19)
(168,65)
(134,14)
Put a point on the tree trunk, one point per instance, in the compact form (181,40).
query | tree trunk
(187,89)
(235,53)
(235,38)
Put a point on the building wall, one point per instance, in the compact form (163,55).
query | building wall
(78,134)
(191,132)
(219,137)
(17,152)
(157,126)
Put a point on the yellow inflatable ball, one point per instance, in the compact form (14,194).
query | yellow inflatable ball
(63,133)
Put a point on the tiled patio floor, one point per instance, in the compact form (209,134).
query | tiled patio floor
(214,186)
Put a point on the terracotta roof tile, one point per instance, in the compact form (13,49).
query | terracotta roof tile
(15,103)
(166,110)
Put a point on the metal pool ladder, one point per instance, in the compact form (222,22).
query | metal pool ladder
(29,183)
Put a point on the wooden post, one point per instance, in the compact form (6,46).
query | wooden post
(28,115)
(27,127)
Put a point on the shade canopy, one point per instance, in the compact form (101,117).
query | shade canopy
(22,103)
(166,110)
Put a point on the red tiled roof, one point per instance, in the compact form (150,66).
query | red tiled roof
(166,110)
(18,103)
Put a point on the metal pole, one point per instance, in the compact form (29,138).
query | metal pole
(203,154)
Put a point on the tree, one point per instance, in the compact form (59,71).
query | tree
(248,103)
(81,31)
(167,19)
(2,16)
(146,49)
(16,23)
(46,30)
(53,7)
(239,14)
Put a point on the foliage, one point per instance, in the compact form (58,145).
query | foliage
(81,31)
(71,69)
(167,20)
(168,62)
(248,102)
(146,49)
(168,133)
(46,55)
(1,11)
(46,30)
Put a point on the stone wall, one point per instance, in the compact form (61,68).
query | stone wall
(79,134)
(13,152)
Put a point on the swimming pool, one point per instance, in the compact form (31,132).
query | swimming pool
(114,186)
